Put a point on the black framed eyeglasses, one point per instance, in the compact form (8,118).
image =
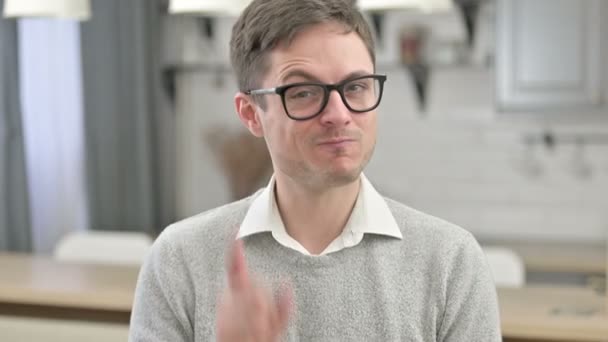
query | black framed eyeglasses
(305,100)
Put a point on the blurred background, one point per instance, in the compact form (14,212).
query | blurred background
(117,119)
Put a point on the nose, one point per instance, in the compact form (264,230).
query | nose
(335,112)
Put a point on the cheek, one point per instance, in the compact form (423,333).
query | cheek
(283,135)
(371,124)
(271,120)
(296,137)
(367,125)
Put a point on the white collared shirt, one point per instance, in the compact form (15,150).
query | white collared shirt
(370,215)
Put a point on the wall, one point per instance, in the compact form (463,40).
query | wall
(461,161)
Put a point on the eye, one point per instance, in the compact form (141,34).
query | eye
(356,87)
(303,92)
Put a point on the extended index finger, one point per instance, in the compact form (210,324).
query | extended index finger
(238,276)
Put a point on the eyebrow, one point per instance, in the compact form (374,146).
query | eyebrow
(311,78)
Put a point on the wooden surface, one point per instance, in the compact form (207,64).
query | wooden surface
(37,285)
(27,329)
(553,314)
(41,287)
(559,256)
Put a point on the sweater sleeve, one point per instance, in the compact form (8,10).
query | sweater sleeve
(471,308)
(164,297)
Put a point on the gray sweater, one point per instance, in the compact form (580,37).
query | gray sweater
(434,285)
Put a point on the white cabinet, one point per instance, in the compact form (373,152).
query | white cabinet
(551,56)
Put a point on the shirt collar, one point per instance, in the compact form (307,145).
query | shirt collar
(371,214)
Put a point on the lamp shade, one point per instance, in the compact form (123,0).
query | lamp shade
(423,5)
(209,7)
(73,9)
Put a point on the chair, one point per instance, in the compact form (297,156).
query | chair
(108,247)
(507,267)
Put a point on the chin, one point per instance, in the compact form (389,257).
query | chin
(343,179)
(343,176)
(339,170)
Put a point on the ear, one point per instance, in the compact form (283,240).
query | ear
(249,113)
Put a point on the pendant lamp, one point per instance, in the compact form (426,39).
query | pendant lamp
(67,9)
(208,7)
(422,5)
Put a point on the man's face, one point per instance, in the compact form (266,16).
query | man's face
(332,148)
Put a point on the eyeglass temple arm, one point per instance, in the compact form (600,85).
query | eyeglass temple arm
(261,91)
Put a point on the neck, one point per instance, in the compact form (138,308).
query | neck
(314,217)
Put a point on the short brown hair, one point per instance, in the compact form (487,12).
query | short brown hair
(266,23)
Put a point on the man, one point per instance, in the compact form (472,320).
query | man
(318,255)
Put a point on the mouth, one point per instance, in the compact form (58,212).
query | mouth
(336,141)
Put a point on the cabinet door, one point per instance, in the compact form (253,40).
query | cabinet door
(549,54)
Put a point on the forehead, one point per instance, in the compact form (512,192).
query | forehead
(327,51)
